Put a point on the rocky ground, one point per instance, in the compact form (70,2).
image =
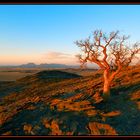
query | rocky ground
(63,103)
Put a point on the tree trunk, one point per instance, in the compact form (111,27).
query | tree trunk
(106,88)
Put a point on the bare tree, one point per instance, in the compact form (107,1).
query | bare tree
(110,52)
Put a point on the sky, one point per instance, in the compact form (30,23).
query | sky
(46,33)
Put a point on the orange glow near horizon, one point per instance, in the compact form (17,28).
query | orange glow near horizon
(50,57)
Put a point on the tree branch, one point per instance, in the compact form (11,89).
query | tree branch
(116,72)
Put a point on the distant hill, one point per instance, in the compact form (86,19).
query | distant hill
(48,76)
(56,74)
(44,65)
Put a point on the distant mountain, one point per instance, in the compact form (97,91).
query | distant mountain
(44,65)
(28,65)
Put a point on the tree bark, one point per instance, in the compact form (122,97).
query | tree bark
(106,88)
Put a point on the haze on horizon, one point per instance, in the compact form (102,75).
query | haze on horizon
(46,33)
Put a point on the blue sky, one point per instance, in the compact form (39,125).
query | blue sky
(46,33)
